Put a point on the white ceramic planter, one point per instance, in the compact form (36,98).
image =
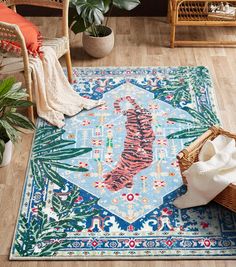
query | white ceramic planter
(98,47)
(7,154)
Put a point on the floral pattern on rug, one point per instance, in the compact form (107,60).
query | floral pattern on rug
(103,186)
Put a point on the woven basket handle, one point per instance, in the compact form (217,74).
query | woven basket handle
(198,142)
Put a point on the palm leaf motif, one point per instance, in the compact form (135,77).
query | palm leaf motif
(44,235)
(48,152)
(175,93)
(200,79)
(201,122)
(175,89)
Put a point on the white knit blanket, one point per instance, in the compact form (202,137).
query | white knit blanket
(214,171)
(54,95)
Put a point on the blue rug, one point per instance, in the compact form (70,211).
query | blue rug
(103,186)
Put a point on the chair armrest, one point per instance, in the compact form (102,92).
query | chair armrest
(12,33)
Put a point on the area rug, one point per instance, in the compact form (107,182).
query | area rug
(103,186)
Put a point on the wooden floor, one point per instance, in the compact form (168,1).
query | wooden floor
(139,42)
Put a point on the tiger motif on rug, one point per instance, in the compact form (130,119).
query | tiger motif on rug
(138,153)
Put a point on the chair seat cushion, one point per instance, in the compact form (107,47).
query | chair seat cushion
(60,45)
(29,31)
(11,64)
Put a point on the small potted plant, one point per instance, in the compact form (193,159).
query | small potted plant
(87,16)
(11,121)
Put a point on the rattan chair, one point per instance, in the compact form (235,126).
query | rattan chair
(61,45)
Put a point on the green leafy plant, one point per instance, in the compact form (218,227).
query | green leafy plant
(201,122)
(12,97)
(44,235)
(49,149)
(87,15)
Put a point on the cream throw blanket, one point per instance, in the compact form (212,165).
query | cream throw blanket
(214,171)
(53,93)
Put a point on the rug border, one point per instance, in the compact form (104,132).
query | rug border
(154,258)
(215,100)
(112,258)
(23,190)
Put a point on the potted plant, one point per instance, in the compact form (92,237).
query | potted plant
(11,121)
(87,16)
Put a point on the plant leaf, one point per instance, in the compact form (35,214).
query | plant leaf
(68,167)
(50,249)
(65,153)
(184,121)
(6,85)
(54,176)
(57,204)
(188,133)
(37,173)
(19,120)
(96,17)
(10,131)
(48,136)
(107,4)
(196,115)
(17,103)
(210,115)
(91,11)
(78,25)
(58,144)
(126,4)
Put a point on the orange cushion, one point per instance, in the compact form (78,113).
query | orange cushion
(32,36)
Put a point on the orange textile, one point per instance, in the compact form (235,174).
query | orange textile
(32,36)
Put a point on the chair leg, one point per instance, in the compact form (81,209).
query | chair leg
(169,19)
(172,36)
(173,15)
(30,97)
(69,66)
(31,113)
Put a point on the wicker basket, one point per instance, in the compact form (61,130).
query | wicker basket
(189,155)
(199,10)
(199,13)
